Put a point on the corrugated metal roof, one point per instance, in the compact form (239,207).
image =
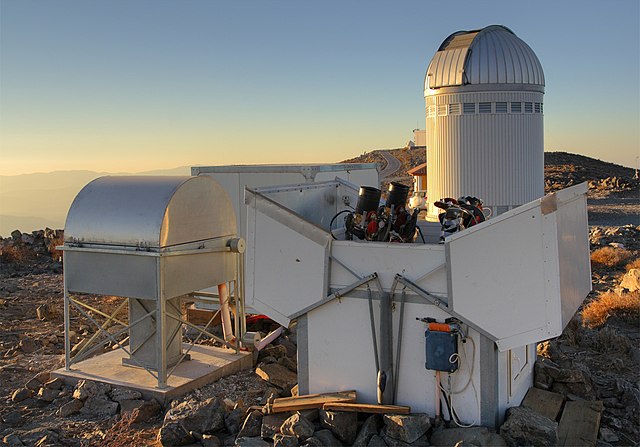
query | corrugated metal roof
(492,55)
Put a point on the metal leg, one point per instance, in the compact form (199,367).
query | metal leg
(161,337)
(67,324)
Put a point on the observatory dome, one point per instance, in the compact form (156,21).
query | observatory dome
(484,92)
(492,55)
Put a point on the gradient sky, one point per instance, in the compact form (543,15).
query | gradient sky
(136,85)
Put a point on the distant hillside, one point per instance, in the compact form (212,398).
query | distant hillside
(560,168)
(30,202)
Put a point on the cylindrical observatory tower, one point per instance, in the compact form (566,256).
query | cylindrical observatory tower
(484,94)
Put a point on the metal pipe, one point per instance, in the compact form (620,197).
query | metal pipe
(223,293)
(374,337)
(334,295)
(98,311)
(385,373)
(161,323)
(399,346)
(236,316)
(437,394)
(438,301)
(78,358)
(67,320)
(193,326)
(105,325)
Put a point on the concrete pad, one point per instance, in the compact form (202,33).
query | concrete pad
(207,364)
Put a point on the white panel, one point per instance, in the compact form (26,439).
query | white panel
(573,249)
(500,268)
(341,357)
(284,268)
(341,350)
(413,261)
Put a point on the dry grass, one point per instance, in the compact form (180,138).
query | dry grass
(608,304)
(635,264)
(53,243)
(124,434)
(17,254)
(610,257)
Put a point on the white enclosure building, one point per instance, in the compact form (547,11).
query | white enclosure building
(484,105)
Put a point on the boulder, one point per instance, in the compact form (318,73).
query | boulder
(406,428)
(54,384)
(313,442)
(376,441)
(86,389)
(147,411)
(275,351)
(526,427)
(47,394)
(280,440)
(271,424)
(71,407)
(12,440)
(28,346)
(477,436)
(210,441)
(342,424)
(392,442)
(253,426)
(298,426)
(234,420)
(43,312)
(252,442)
(21,394)
(278,375)
(193,416)
(173,434)
(120,394)
(326,437)
(13,418)
(291,365)
(128,405)
(99,406)
(370,428)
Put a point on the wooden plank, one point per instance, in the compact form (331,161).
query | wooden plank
(200,317)
(546,403)
(367,408)
(309,401)
(580,423)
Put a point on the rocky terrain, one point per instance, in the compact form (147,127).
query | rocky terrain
(597,358)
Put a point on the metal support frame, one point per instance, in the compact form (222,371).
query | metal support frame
(440,302)
(159,315)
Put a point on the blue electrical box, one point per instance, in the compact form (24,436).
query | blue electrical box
(440,349)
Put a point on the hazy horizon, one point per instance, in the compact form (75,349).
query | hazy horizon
(145,85)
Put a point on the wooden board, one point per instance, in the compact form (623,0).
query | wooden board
(200,317)
(546,403)
(366,408)
(310,401)
(580,423)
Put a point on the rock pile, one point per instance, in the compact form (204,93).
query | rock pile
(22,250)
(88,400)
(627,236)
(207,424)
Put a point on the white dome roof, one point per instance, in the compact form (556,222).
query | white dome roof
(492,55)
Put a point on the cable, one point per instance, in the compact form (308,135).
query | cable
(452,392)
(333,220)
